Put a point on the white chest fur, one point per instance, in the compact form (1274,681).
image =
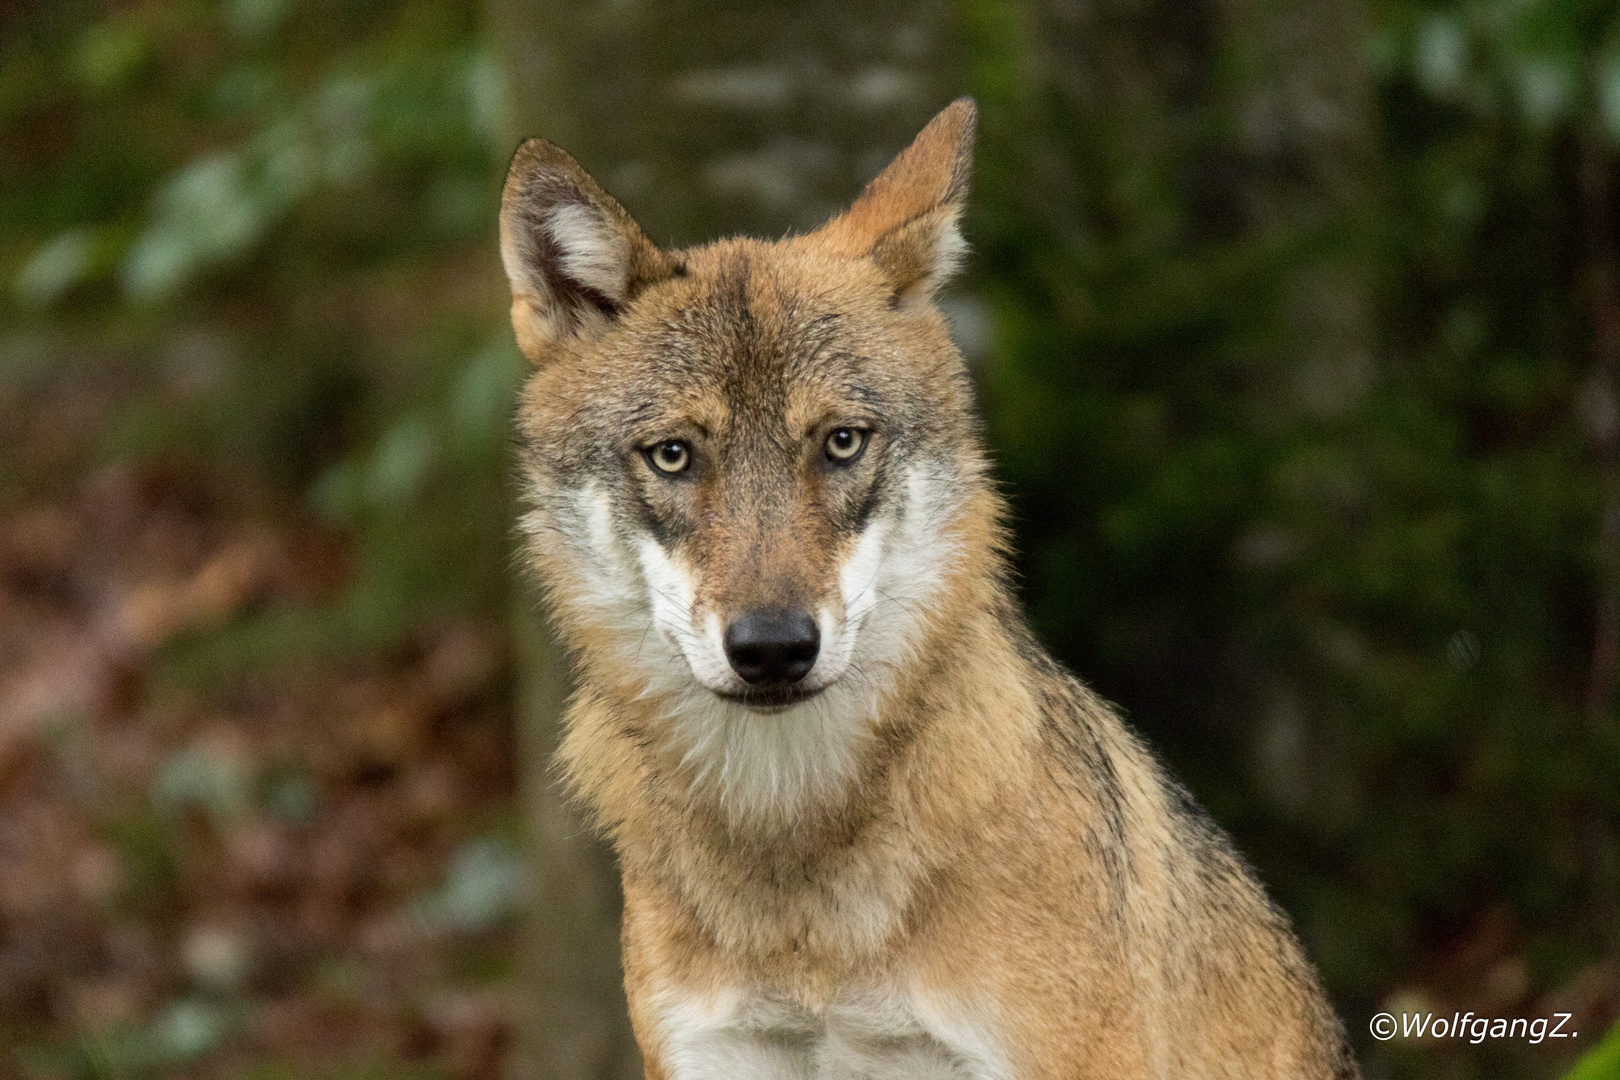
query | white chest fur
(863,1035)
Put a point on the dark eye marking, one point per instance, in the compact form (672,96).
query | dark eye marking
(874,497)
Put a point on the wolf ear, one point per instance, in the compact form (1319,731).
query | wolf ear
(572,254)
(906,220)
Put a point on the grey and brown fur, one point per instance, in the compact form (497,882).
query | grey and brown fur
(934,854)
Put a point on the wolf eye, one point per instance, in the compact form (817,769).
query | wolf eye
(845,444)
(670,457)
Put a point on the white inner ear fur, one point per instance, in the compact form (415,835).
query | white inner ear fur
(947,250)
(594,252)
(950,251)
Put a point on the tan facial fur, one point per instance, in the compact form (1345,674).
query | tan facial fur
(867,827)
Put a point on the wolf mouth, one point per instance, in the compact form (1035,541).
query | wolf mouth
(772,700)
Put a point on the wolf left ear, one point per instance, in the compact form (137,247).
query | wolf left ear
(573,256)
(907,219)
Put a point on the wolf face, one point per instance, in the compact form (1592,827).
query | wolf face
(752,465)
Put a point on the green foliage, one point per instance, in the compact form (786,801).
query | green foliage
(1602,1063)
(299,188)
(182,1034)
(268,226)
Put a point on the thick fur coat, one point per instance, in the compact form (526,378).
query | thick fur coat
(885,835)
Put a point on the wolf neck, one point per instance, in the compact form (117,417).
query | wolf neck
(839,877)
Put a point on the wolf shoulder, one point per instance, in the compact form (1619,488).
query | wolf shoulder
(1189,960)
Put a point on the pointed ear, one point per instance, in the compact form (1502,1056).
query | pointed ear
(572,254)
(906,220)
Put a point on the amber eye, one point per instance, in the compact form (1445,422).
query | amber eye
(670,457)
(845,444)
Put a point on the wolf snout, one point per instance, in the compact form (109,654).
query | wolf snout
(768,648)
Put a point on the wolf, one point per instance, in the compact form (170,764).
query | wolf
(867,827)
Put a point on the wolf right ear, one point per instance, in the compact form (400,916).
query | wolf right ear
(906,221)
(572,254)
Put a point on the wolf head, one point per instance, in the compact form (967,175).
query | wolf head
(754,471)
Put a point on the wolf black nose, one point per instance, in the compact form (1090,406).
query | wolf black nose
(772,646)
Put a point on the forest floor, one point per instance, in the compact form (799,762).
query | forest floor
(300,867)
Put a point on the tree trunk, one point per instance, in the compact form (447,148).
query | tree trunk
(1303,111)
(572,1023)
(572,1020)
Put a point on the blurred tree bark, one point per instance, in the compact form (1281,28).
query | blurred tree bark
(1303,111)
(571,1015)
(703,119)
(1300,102)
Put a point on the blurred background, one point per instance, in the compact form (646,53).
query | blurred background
(1297,330)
